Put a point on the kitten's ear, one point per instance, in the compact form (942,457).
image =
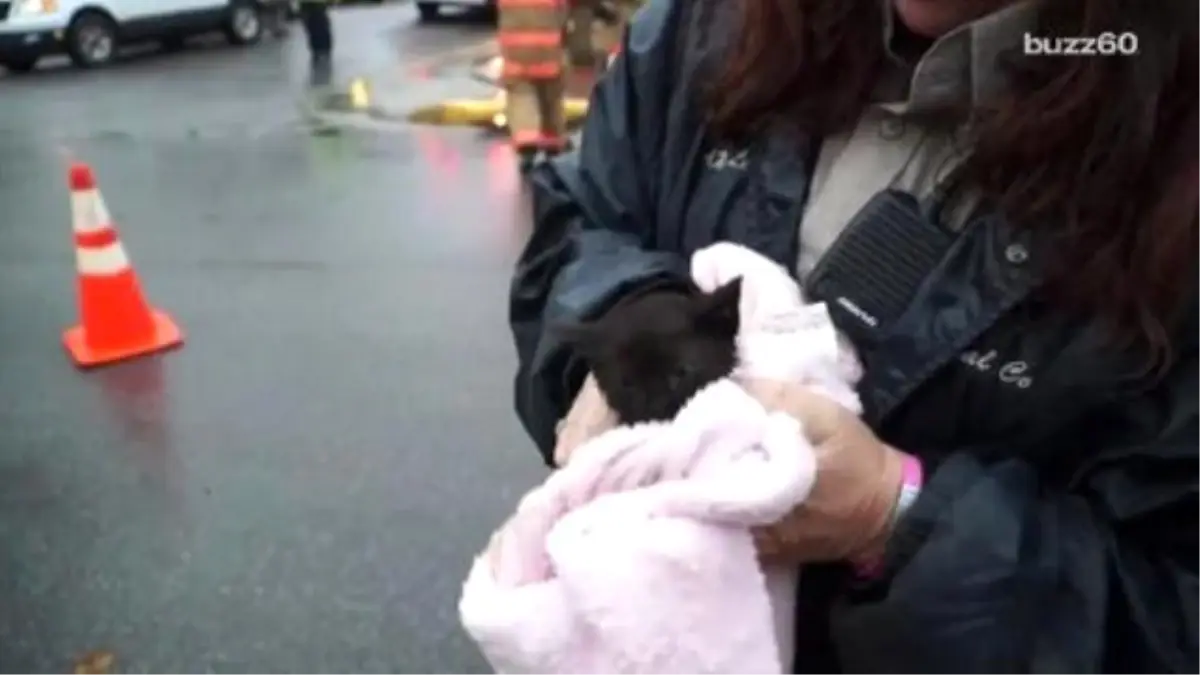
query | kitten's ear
(581,335)
(719,311)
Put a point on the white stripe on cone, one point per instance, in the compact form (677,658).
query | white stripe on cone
(88,211)
(107,260)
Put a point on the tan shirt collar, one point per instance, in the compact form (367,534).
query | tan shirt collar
(960,66)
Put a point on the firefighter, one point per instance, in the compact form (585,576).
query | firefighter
(314,14)
(531,44)
(581,24)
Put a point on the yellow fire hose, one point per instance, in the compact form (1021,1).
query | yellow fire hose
(488,113)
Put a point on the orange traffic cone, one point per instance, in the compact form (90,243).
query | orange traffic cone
(115,320)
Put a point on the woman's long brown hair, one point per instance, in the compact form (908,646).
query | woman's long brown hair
(1097,153)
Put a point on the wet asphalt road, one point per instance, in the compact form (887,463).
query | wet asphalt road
(301,487)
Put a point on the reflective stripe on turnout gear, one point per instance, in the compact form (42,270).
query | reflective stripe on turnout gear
(525,138)
(546,70)
(529,38)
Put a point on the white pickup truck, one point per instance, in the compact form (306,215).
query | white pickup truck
(431,9)
(91,31)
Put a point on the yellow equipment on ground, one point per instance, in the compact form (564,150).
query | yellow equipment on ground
(487,113)
(360,95)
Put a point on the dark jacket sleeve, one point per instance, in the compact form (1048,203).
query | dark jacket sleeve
(1000,568)
(594,220)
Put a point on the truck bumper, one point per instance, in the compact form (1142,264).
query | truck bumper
(29,44)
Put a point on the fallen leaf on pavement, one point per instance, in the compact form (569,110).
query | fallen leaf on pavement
(95,662)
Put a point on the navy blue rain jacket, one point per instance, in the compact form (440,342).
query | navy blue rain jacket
(1057,530)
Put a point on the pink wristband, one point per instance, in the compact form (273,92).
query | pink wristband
(912,476)
(912,473)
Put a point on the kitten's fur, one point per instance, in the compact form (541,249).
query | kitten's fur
(651,354)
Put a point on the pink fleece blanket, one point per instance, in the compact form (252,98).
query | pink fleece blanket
(637,557)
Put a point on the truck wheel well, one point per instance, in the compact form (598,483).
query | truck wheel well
(94,10)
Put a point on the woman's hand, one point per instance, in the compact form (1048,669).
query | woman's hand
(588,417)
(848,515)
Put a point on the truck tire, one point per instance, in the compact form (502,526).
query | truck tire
(244,25)
(429,11)
(92,40)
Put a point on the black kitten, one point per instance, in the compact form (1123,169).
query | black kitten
(651,354)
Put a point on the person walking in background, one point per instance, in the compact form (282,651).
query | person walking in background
(530,35)
(314,14)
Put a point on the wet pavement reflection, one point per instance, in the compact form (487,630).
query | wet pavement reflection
(302,485)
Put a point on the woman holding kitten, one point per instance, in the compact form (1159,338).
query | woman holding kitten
(1009,239)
